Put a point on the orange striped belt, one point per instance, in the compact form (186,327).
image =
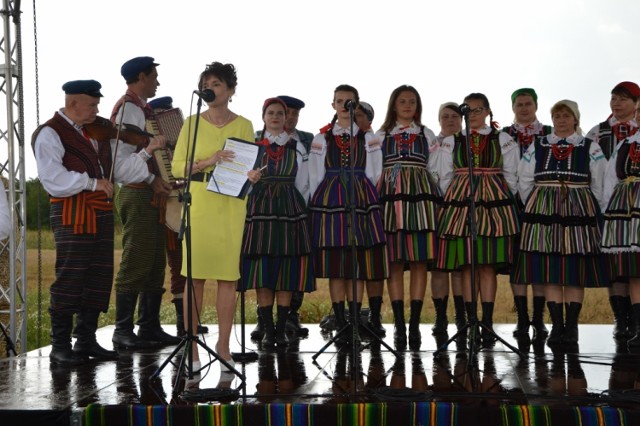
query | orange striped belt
(80,210)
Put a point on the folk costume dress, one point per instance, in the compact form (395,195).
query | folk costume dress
(409,193)
(561,181)
(330,182)
(217,221)
(495,157)
(276,247)
(621,232)
(610,133)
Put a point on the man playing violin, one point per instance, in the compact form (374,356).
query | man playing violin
(141,207)
(75,169)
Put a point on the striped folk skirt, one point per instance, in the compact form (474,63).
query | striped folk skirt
(561,236)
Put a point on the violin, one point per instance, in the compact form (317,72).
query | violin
(104,130)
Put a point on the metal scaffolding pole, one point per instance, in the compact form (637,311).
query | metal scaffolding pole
(13,288)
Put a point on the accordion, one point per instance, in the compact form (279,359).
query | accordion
(168,124)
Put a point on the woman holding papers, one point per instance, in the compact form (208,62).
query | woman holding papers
(276,247)
(217,221)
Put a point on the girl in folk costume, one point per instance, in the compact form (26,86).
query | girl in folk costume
(621,227)
(560,180)
(620,125)
(450,123)
(276,246)
(333,153)
(524,130)
(409,195)
(495,158)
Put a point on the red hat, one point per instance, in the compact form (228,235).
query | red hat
(630,86)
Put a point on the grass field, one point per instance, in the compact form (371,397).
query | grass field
(317,304)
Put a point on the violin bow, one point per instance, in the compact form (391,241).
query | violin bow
(115,152)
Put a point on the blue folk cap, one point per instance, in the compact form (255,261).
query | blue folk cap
(292,102)
(83,87)
(164,102)
(135,66)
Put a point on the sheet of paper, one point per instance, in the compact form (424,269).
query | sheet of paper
(230,177)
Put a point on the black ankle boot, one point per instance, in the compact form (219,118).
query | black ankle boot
(340,323)
(522,326)
(441,322)
(557,323)
(374,323)
(632,327)
(61,353)
(400,329)
(269,337)
(461,317)
(281,326)
(619,308)
(570,336)
(634,343)
(258,333)
(537,320)
(123,336)
(293,322)
(149,320)
(472,316)
(487,320)
(415,338)
(86,344)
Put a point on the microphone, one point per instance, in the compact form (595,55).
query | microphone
(206,95)
(464,109)
(349,104)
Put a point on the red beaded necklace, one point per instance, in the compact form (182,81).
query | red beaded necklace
(343,141)
(275,154)
(561,152)
(404,140)
(477,145)
(623,130)
(634,152)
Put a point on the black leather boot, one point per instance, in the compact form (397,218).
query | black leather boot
(293,321)
(340,322)
(180,332)
(472,315)
(61,353)
(258,333)
(441,322)
(634,343)
(415,338)
(619,308)
(522,326)
(461,316)
(85,332)
(149,320)
(632,326)
(557,323)
(400,329)
(269,337)
(570,336)
(540,330)
(123,336)
(374,322)
(487,320)
(281,326)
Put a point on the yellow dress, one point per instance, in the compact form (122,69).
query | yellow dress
(217,221)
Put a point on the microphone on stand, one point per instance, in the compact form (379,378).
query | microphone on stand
(206,95)
(349,104)
(465,109)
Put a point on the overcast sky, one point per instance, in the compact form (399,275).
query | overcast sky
(575,49)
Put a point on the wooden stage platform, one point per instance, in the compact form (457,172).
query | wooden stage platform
(594,384)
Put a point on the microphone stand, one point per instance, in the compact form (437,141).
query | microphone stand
(474,324)
(353,314)
(185,231)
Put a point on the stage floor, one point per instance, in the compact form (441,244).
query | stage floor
(593,374)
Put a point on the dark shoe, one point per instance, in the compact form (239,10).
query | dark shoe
(441,322)
(522,326)
(281,326)
(632,326)
(400,329)
(461,316)
(340,323)
(570,336)
(149,320)
(619,308)
(472,316)
(293,322)
(269,337)
(123,336)
(540,330)
(86,344)
(374,323)
(202,329)
(415,338)
(61,353)
(258,333)
(488,336)
(180,331)
(557,323)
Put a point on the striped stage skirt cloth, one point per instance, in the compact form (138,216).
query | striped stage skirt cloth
(561,236)
(409,198)
(276,248)
(331,228)
(496,216)
(621,231)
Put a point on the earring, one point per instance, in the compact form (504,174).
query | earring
(230,99)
